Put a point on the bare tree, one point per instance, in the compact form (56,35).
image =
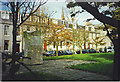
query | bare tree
(25,9)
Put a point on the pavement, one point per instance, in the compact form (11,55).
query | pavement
(58,68)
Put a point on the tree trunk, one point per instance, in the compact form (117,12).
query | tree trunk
(80,49)
(85,45)
(119,52)
(96,46)
(116,62)
(56,48)
(73,47)
(116,71)
(11,71)
(15,18)
(73,41)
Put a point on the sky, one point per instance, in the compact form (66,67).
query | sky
(57,5)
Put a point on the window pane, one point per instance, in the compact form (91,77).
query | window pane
(6,30)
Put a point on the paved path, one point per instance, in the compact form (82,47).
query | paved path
(57,68)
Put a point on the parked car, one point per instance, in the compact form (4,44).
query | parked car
(83,51)
(69,52)
(44,54)
(59,53)
(92,51)
(64,53)
(49,53)
(87,50)
(101,50)
(110,49)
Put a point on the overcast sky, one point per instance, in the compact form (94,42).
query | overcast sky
(57,5)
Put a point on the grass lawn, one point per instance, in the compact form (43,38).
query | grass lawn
(104,63)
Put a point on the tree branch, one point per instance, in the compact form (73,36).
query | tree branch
(108,34)
(30,14)
(22,4)
(99,16)
(7,5)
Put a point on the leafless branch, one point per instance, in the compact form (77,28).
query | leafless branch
(31,13)
(22,3)
(108,34)
(7,4)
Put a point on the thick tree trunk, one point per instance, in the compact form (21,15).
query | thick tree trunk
(11,71)
(119,52)
(116,61)
(116,71)
(15,18)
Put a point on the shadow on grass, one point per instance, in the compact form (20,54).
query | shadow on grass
(29,77)
(100,68)
(106,56)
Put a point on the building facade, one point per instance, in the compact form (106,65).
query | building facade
(93,32)
(5,32)
(6,28)
(6,37)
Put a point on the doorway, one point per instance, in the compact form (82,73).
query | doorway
(18,48)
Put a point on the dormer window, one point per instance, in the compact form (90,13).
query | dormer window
(7,15)
(3,15)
